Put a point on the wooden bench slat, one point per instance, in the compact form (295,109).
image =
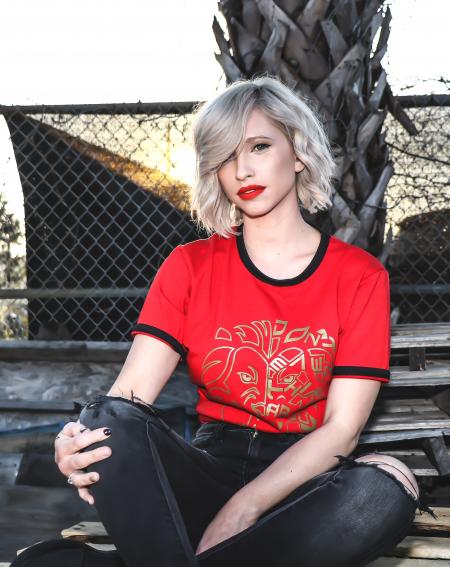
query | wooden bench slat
(436,373)
(396,404)
(420,335)
(405,562)
(410,423)
(420,328)
(423,548)
(402,435)
(86,530)
(410,415)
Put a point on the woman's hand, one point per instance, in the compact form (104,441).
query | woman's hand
(232,518)
(69,442)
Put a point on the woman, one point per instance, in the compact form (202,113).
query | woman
(286,332)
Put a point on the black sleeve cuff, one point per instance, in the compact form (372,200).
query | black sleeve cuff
(361,371)
(149,330)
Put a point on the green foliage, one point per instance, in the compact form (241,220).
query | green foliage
(13,318)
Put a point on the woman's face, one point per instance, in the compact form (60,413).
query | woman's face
(267,160)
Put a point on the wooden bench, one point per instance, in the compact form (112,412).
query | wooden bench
(413,407)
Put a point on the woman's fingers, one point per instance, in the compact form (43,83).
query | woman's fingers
(87,438)
(85,495)
(74,438)
(81,479)
(72,428)
(83,460)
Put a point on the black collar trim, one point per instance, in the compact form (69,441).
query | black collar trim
(307,272)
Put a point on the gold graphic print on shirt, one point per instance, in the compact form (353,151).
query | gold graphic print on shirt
(275,371)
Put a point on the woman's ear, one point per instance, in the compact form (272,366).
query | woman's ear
(299,165)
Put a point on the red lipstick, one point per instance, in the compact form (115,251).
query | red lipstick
(250,191)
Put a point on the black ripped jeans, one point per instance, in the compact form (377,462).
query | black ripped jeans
(157,494)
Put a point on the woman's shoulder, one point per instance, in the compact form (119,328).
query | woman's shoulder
(354,260)
(197,252)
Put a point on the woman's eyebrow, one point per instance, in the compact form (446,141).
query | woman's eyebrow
(257,138)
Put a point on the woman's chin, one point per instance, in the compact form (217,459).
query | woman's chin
(257,210)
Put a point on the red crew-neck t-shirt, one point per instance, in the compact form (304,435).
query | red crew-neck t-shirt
(263,351)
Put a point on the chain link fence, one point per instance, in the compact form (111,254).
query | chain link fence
(418,212)
(106,193)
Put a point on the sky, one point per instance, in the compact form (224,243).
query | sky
(99,51)
(79,51)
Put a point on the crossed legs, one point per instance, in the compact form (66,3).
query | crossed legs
(157,494)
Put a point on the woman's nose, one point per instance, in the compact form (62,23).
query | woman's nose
(243,168)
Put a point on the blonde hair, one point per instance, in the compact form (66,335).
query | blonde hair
(219,129)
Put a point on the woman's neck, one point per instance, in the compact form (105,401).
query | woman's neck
(273,239)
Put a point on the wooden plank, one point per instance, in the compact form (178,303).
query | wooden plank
(416,338)
(408,415)
(419,328)
(102,546)
(406,401)
(413,381)
(436,373)
(423,548)
(400,405)
(403,435)
(417,359)
(405,562)
(426,524)
(84,531)
(436,338)
(375,424)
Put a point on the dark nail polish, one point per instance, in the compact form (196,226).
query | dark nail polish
(107,431)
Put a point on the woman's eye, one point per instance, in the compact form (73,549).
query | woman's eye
(232,156)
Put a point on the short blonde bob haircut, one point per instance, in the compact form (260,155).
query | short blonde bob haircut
(218,130)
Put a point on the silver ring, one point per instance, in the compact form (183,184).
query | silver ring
(69,478)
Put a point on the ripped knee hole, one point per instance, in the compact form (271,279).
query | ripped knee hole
(383,464)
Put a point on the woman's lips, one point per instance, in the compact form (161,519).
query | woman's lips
(251,193)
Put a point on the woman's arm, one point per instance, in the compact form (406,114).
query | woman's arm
(349,404)
(146,370)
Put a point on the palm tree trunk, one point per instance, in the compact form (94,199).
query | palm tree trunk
(330,52)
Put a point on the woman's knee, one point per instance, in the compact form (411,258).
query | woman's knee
(130,425)
(113,410)
(395,467)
